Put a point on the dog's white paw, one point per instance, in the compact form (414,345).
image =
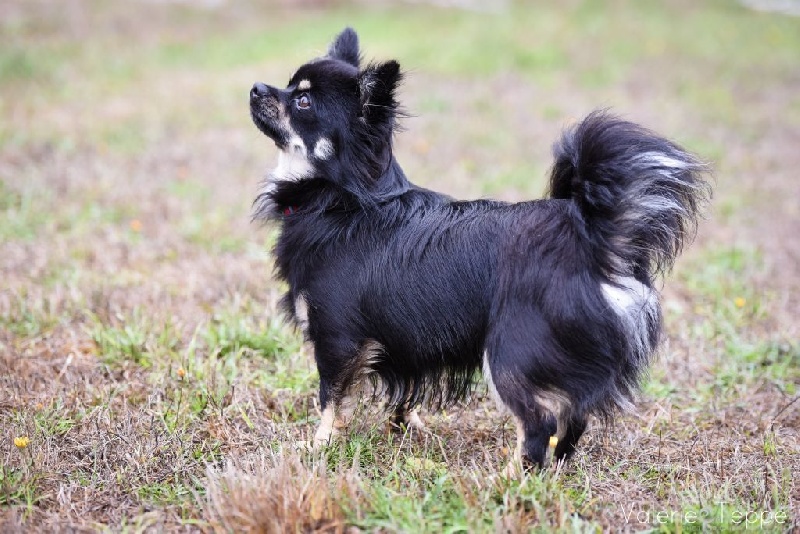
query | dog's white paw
(326,430)
(414,421)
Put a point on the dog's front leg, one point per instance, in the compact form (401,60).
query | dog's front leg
(334,419)
(410,419)
(327,426)
(343,365)
(334,410)
(335,379)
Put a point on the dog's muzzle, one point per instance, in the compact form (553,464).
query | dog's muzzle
(259,89)
(265,109)
(264,101)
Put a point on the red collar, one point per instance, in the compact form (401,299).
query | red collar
(289,210)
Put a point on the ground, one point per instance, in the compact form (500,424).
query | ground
(147,381)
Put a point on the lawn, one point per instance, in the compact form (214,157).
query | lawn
(147,382)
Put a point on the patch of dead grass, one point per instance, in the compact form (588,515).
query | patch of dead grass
(276,495)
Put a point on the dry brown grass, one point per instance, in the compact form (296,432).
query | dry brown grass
(277,495)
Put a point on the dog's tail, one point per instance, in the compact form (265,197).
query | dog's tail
(639,194)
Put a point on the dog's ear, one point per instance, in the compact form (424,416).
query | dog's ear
(377,84)
(345,47)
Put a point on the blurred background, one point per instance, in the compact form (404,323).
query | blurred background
(128,164)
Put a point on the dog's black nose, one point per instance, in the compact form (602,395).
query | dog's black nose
(259,89)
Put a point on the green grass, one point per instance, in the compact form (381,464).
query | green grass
(735,315)
(414,488)
(22,214)
(24,321)
(164,493)
(18,488)
(135,339)
(606,49)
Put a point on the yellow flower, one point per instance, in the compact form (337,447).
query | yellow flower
(553,441)
(739,302)
(136,225)
(22,442)
(181,373)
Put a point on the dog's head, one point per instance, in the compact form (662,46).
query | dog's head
(334,120)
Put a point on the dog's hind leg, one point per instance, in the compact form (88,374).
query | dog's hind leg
(574,429)
(535,420)
(538,426)
(534,430)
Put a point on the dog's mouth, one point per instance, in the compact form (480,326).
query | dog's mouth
(267,119)
(266,114)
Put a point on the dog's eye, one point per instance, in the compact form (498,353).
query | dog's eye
(304,102)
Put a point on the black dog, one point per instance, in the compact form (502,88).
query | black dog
(553,298)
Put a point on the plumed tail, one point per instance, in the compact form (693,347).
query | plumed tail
(639,194)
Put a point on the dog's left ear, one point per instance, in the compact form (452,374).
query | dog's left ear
(345,47)
(377,85)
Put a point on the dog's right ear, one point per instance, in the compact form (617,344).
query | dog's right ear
(377,84)
(345,47)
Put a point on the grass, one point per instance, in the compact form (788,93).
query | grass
(141,350)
